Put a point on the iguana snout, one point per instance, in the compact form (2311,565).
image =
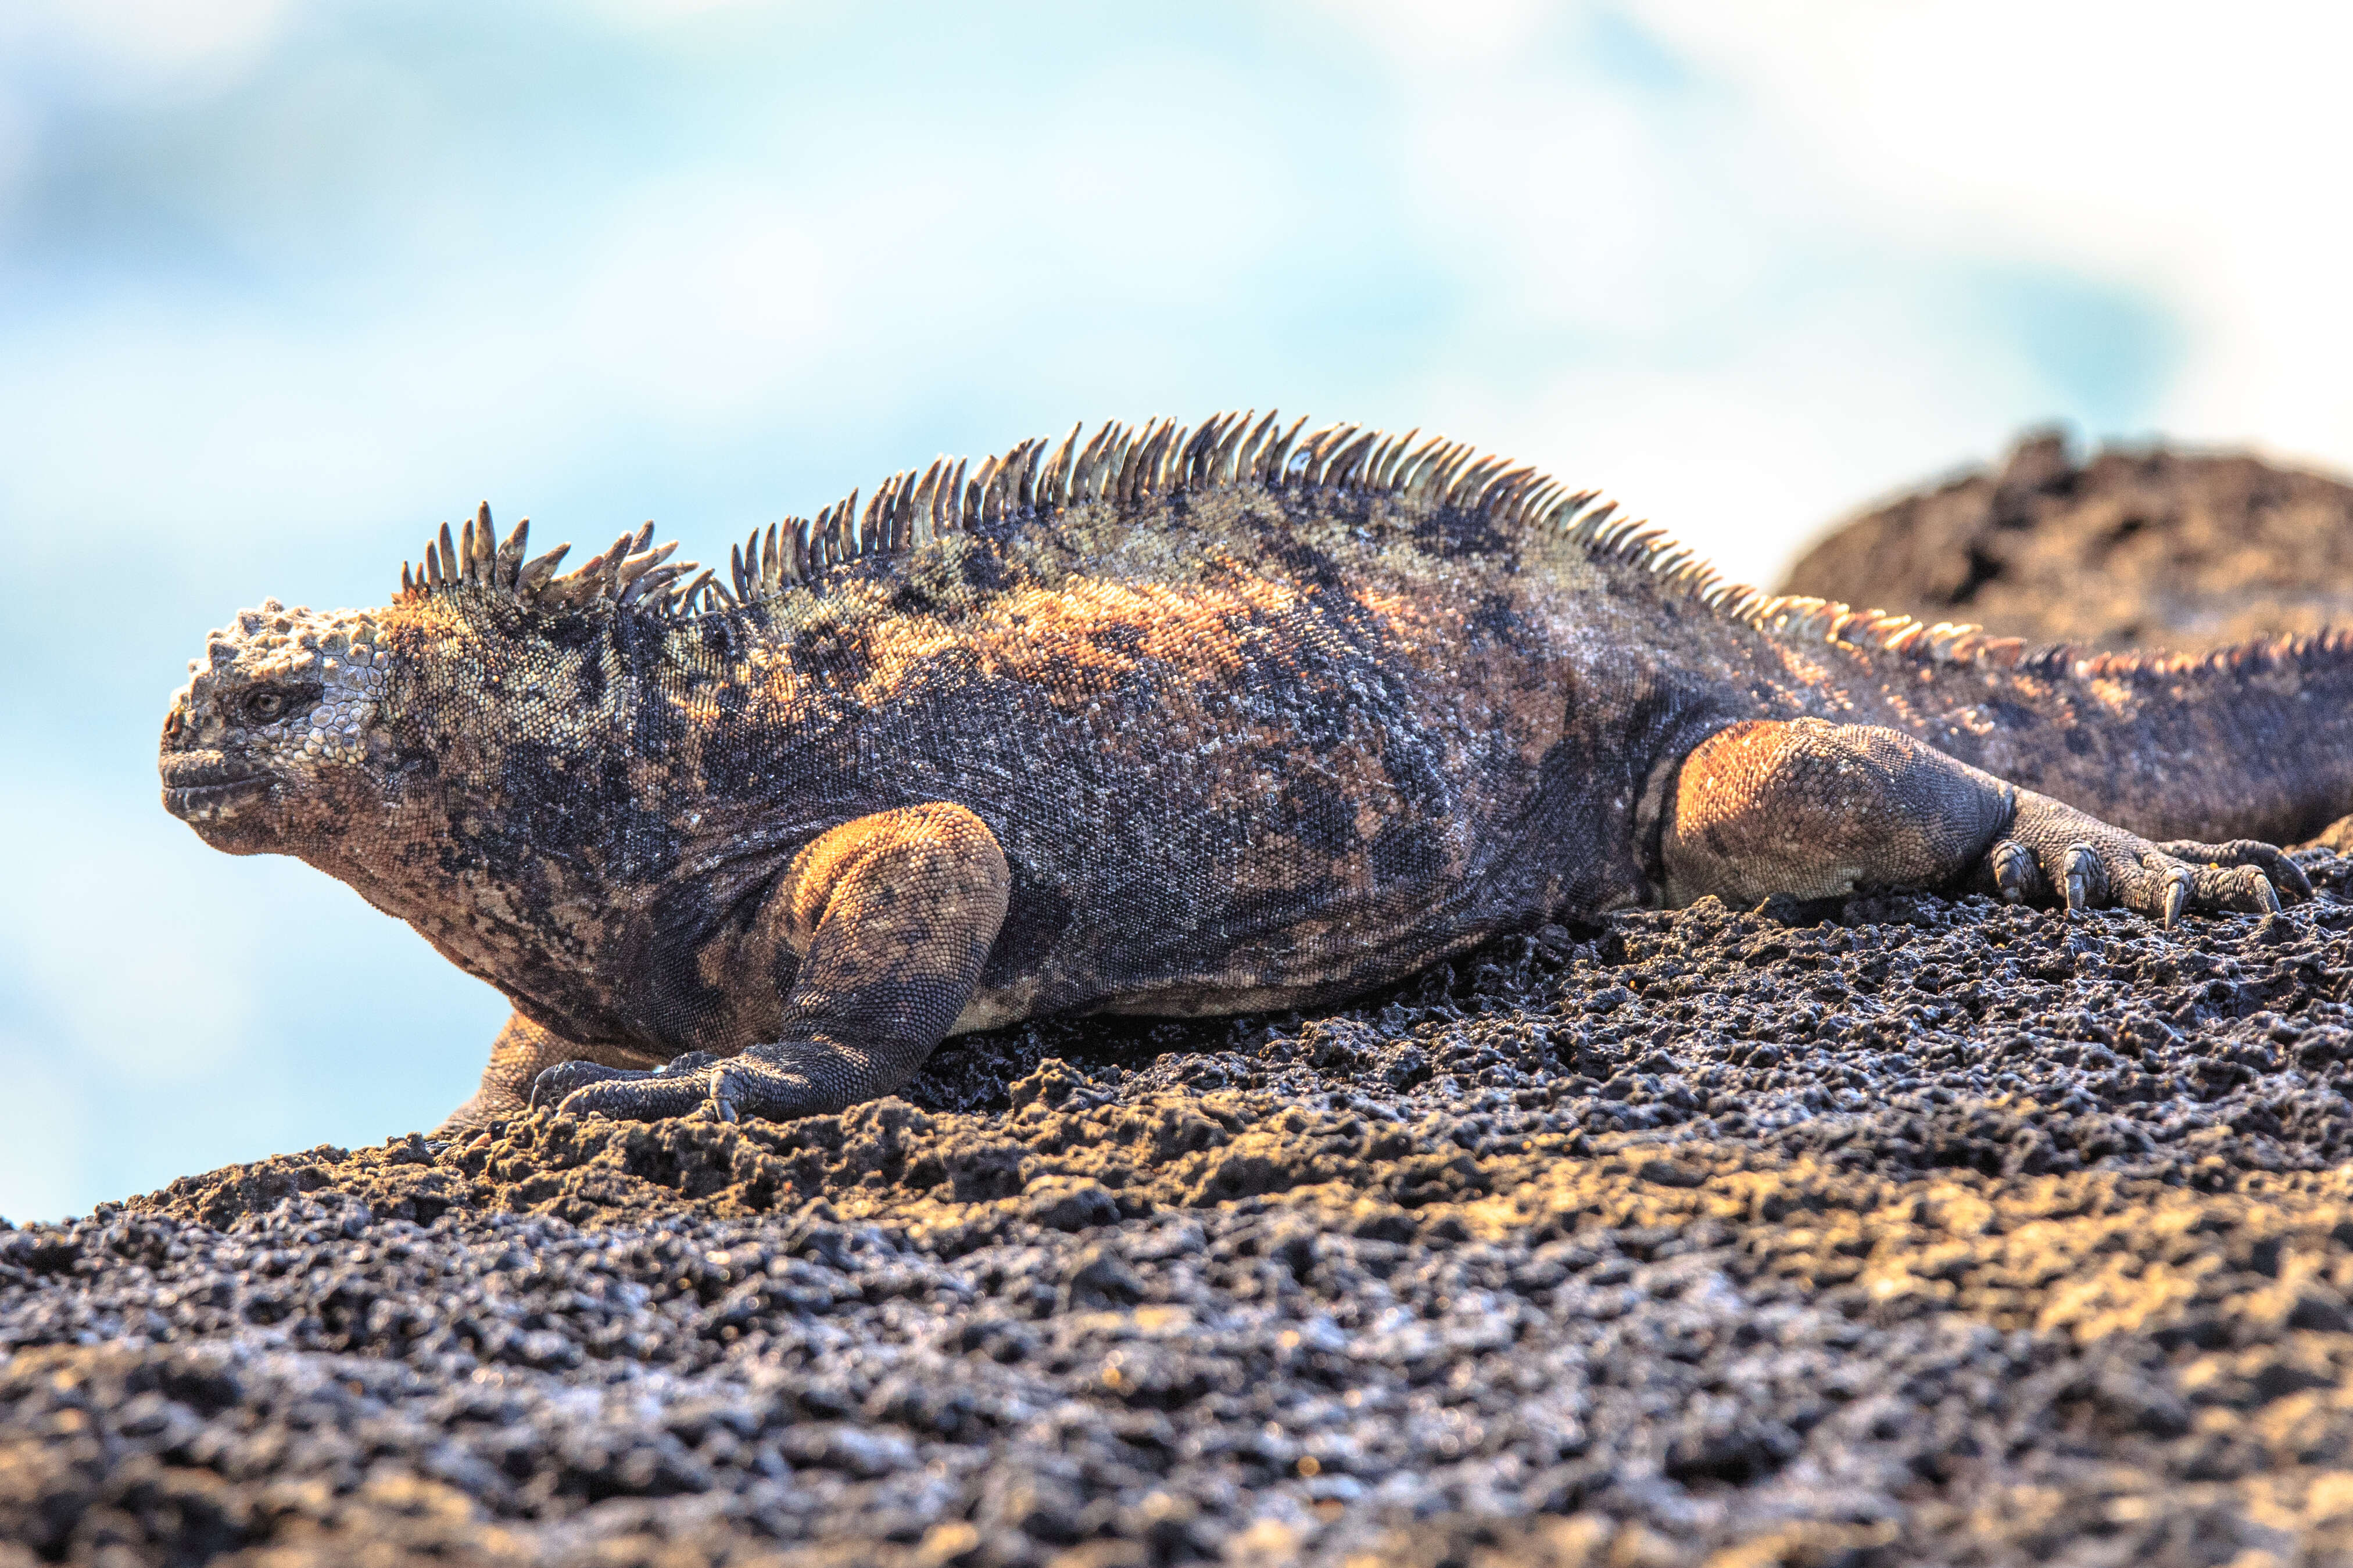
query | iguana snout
(281,697)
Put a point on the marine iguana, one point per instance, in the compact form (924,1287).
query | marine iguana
(1165,721)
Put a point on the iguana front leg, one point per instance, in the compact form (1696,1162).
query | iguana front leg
(1817,810)
(890,918)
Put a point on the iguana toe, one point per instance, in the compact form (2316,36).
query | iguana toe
(697,1086)
(2213,890)
(2247,889)
(558,1083)
(2282,873)
(635,1096)
(2014,876)
(2084,878)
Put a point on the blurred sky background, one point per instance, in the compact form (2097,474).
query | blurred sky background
(284,284)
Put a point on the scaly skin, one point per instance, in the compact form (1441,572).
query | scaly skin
(1179,723)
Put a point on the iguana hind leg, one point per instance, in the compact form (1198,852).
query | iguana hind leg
(1816,810)
(889,919)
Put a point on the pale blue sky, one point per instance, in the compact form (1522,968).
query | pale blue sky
(284,285)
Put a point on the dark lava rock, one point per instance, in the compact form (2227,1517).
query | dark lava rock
(1918,1231)
(2148,547)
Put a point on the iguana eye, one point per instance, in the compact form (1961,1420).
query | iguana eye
(265,705)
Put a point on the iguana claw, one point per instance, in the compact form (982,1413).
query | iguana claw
(2177,894)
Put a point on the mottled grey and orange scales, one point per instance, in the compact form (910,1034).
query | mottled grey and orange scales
(1168,721)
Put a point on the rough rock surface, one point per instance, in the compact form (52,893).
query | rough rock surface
(2148,547)
(1912,1231)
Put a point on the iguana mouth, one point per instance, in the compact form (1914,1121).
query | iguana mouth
(198,784)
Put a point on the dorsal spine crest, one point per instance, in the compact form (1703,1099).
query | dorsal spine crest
(1125,466)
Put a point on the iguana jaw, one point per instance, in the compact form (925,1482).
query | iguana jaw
(202,786)
(227,800)
(237,802)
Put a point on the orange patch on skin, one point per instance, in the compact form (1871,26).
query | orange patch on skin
(1081,638)
(1412,620)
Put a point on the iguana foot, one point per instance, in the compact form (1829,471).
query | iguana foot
(697,1084)
(2052,849)
(1818,810)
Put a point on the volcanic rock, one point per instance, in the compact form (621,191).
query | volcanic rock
(1906,1230)
(2136,547)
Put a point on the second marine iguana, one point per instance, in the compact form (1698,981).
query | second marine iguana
(1167,721)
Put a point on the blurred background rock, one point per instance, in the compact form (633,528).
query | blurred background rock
(2131,546)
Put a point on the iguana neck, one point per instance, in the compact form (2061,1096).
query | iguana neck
(2256,742)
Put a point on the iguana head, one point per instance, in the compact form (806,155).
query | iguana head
(283,706)
(298,725)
